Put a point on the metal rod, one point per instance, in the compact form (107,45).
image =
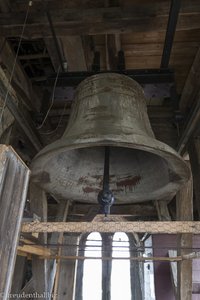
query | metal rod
(171,29)
(106,169)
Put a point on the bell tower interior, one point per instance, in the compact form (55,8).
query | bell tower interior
(100,149)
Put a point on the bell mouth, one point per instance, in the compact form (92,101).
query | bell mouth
(136,174)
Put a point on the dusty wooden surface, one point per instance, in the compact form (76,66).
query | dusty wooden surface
(14,177)
(184,207)
(153,227)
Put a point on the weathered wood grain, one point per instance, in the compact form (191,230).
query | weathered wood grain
(14,177)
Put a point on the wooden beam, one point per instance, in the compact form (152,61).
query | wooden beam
(34,249)
(162,209)
(191,88)
(112,48)
(107,239)
(38,206)
(73,53)
(14,177)
(194,153)
(190,126)
(49,42)
(160,6)
(153,227)
(57,238)
(91,214)
(132,258)
(184,208)
(89,49)
(28,288)
(136,210)
(190,100)
(19,274)
(80,267)
(11,101)
(66,276)
(20,81)
(163,215)
(5,6)
(111,20)
(136,267)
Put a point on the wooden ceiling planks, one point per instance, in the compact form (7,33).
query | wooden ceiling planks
(141,26)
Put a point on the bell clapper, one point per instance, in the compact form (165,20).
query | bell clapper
(106,197)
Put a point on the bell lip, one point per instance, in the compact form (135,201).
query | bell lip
(143,143)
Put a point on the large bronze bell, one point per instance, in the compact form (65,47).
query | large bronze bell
(109,110)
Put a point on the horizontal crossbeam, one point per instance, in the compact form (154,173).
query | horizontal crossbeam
(153,227)
(142,76)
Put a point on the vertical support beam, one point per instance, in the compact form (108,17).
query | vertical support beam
(194,153)
(52,53)
(14,177)
(57,238)
(38,204)
(106,265)
(74,53)
(113,46)
(171,29)
(191,88)
(67,270)
(135,270)
(162,209)
(163,215)
(22,121)
(28,288)
(20,81)
(185,213)
(19,274)
(88,48)
(79,275)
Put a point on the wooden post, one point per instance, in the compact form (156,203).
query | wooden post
(14,177)
(135,270)
(57,238)
(12,100)
(106,265)
(185,212)
(74,53)
(19,274)
(162,209)
(79,272)
(66,275)
(38,204)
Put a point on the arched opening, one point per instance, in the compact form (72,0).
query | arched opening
(120,276)
(92,270)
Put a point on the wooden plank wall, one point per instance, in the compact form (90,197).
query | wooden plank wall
(14,177)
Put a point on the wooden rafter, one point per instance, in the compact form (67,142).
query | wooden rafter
(20,81)
(5,6)
(73,53)
(112,20)
(11,101)
(191,87)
